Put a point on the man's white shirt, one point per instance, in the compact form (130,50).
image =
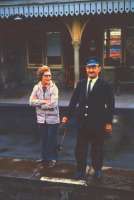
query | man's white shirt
(92,82)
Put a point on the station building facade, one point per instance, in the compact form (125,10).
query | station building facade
(63,35)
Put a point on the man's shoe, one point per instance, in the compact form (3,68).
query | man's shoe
(80,175)
(51,163)
(98,174)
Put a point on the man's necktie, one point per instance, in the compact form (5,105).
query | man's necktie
(89,87)
(88,90)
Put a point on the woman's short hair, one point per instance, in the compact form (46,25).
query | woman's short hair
(41,70)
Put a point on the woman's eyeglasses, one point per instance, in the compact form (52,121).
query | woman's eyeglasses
(45,75)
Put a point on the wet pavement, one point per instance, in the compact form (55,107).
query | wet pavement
(20,173)
(19,141)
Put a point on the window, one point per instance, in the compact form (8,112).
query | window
(35,50)
(54,53)
(44,50)
(112,47)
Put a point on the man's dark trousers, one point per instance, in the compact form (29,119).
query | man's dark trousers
(86,136)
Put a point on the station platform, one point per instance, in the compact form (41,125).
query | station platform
(21,175)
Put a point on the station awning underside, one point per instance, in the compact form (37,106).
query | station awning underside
(66,8)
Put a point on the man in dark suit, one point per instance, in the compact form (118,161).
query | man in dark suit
(94,100)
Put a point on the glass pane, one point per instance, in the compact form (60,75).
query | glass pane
(112,46)
(53,44)
(54,60)
(35,50)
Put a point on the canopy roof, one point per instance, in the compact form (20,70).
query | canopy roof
(51,8)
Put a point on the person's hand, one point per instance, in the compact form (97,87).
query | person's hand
(108,128)
(46,101)
(64,120)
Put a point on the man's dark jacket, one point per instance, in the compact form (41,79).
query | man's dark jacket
(100,103)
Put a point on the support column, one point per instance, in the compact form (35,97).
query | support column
(76,46)
(76,28)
